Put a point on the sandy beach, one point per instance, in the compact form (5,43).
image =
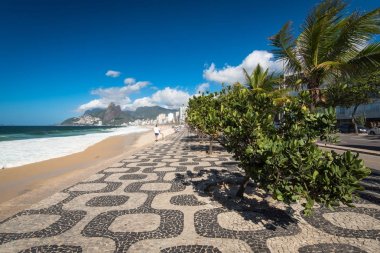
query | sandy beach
(25,185)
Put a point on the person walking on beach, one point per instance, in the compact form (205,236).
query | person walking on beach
(156,131)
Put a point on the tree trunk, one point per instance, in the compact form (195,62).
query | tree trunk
(200,136)
(243,185)
(210,148)
(353,119)
(314,99)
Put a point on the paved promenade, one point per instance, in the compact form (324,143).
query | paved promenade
(173,197)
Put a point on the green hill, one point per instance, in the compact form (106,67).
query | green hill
(113,115)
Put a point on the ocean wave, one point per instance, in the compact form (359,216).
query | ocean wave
(20,152)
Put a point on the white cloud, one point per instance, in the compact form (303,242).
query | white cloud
(96,103)
(129,80)
(102,103)
(168,98)
(140,102)
(113,73)
(232,74)
(203,87)
(117,95)
(136,86)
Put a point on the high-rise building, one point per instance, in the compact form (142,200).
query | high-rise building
(370,112)
(161,118)
(170,118)
(182,114)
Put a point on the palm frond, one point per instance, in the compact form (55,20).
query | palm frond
(284,44)
(258,76)
(247,78)
(366,60)
(317,32)
(294,81)
(328,65)
(353,33)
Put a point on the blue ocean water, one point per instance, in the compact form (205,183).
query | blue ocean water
(10,133)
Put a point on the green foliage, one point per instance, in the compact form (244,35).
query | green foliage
(361,90)
(295,168)
(260,78)
(330,44)
(284,161)
(247,118)
(354,92)
(360,120)
(203,114)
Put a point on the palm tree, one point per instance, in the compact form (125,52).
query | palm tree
(330,45)
(260,78)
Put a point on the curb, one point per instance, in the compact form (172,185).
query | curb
(358,150)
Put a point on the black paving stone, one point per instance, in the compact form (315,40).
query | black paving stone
(186,200)
(330,248)
(191,249)
(53,249)
(110,200)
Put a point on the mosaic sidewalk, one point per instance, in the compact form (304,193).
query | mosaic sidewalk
(173,197)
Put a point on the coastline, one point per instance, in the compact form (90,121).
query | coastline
(25,185)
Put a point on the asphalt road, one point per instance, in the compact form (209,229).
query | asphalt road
(370,142)
(371,161)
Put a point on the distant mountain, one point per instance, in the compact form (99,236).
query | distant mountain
(149,112)
(70,121)
(96,112)
(113,115)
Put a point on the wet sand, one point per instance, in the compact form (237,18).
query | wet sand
(25,185)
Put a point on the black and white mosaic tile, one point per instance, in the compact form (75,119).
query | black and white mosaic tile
(191,249)
(108,200)
(330,248)
(186,200)
(149,202)
(53,249)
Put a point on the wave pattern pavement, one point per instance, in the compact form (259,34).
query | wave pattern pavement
(173,197)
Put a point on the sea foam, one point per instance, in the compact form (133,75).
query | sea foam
(21,152)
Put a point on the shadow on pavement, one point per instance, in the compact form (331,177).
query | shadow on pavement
(374,148)
(371,186)
(221,186)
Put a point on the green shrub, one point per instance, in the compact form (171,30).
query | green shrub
(285,161)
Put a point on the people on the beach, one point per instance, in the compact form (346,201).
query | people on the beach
(156,132)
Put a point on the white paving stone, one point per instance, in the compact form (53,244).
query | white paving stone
(351,220)
(93,177)
(156,186)
(88,187)
(135,223)
(165,169)
(50,201)
(28,223)
(236,221)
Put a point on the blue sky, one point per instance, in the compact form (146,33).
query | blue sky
(55,53)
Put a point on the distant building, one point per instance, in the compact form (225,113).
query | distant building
(170,118)
(182,114)
(87,120)
(371,112)
(161,118)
